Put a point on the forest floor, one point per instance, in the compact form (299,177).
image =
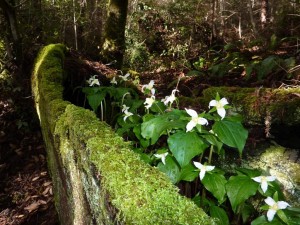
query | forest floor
(26,195)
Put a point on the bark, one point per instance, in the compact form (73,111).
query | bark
(264,13)
(114,34)
(252,18)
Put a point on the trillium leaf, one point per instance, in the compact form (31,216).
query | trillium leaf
(262,220)
(95,100)
(215,183)
(188,173)
(171,169)
(157,126)
(185,146)
(239,189)
(231,133)
(219,213)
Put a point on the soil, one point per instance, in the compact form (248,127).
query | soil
(26,195)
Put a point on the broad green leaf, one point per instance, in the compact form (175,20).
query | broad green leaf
(213,140)
(262,220)
(249,172)
(95,100)
(188,173)
(215,183)
(137,131)
(247,211)
(239,189)
(157,126)
(171,169)
(185,146)
(231,133)
(219,213)
(293,215)
(282,216)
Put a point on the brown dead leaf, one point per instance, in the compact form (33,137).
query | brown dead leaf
(43,173)
(47,183)
(46,190)
(35,178)
(32,207)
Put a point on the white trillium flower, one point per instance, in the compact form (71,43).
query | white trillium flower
(170,98)
(263,180)
(195,120)
(113,81)
(203,169)
(149,101)
(124,108)
(162,157)
(125,77)
(220,106)
(93,81)
(274,207)
(127,114)
(149,87)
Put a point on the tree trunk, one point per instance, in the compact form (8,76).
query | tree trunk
(114,34)
(252,18)
(10,16)
(264,13)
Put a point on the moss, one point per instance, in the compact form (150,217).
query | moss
(255,103)
(280,162)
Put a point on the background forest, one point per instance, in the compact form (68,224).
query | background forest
(244,43)
(215,35)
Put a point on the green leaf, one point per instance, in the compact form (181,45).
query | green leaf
(215,183)
(249,172)
(262,220)
(213,140)
(186,146)
(95,100)
(137,131)
(239,189)
(188,173)
(157,126)
(219,213)
(171,169)
(247,211)
(231,133)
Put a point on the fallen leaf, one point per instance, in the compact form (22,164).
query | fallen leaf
(34,179)
(47,183)
(32,207)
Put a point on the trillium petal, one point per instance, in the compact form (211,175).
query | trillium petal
(202,174)
(198,165)
(212,103)
(209,168)
(270,178)
(264,186)
(192,113)
(282,204)
(202,121)
(221,112)
(257,179)
(224,101)
(190,126)
(270,214)
(270,201)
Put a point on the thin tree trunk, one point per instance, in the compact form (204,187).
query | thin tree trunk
(252,18)
(114,34)
(264,13)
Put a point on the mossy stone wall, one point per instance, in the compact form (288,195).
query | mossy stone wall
(97,178)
